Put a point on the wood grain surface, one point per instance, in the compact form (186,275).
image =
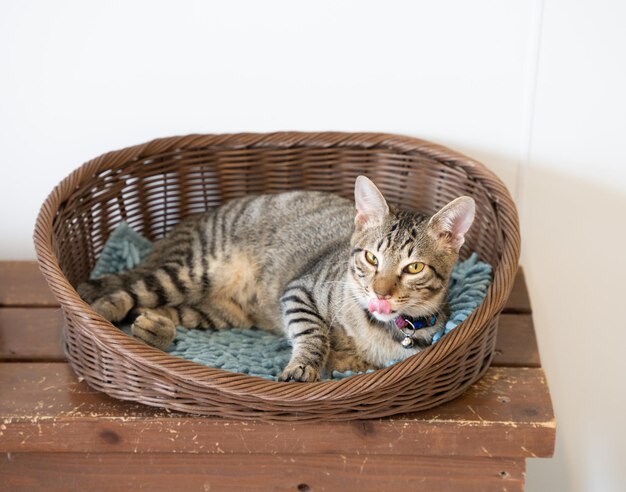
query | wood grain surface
(45,408)
(21,284)
(56,433)
(243,472)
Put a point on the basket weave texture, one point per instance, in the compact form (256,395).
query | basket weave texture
(155,185)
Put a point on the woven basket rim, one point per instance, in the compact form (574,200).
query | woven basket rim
(246,386)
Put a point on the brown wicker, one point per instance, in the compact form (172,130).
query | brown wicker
(155,185)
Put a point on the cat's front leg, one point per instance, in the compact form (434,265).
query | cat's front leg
(309,335)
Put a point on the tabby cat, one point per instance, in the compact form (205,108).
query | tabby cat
(352,291)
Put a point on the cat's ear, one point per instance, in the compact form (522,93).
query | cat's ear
(452,222)
(371,207)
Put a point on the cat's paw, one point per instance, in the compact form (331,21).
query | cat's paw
(299,372)
(113,307)
(154,329)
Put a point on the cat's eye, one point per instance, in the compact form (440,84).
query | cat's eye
(371,259)
(414,268)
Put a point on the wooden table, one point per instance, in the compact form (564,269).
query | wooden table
(56,433)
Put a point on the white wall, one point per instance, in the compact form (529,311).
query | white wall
(539,102)
(573,197)
(81,78)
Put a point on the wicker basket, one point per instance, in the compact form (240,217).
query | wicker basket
(155,185)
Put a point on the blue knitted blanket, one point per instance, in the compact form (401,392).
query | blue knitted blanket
(257,352)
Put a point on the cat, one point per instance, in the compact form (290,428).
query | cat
(352,289)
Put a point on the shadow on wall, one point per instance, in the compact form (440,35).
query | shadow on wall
(573,236)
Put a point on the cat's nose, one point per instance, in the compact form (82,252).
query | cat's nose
(383,287)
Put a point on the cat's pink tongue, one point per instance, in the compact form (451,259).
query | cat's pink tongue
(379,306)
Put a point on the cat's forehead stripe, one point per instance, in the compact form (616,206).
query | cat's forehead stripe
(408,242)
